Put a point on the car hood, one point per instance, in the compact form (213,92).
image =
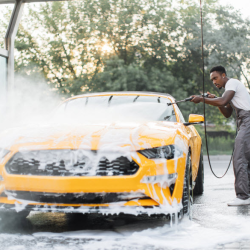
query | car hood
(107,137)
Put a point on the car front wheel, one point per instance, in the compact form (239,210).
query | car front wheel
(186,195)
(199,182)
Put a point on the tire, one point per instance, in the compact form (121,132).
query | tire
(186,195)
(199,182)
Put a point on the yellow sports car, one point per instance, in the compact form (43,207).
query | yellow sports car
(113,152)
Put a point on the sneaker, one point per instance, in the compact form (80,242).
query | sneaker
(239,202)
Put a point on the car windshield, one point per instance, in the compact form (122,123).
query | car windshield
(118,108)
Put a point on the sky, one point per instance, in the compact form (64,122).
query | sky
(242,5)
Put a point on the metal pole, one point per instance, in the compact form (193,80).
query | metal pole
(10,41)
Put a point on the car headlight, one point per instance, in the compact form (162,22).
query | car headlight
(167,152)
(3,153)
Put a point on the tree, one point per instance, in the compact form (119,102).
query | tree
(226,42)
(75,34)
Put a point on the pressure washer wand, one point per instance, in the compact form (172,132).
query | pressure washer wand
(186,100)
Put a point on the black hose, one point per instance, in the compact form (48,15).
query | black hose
(204,105)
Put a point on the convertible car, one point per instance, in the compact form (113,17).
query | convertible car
(113,152)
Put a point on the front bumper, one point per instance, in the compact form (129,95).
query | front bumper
(157,195)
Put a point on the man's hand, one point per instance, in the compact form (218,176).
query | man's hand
(211,95)
(218,102)
(196,99)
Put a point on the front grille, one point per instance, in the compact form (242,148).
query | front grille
(76,198)
(68,163)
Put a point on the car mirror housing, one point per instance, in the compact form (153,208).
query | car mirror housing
(194,119)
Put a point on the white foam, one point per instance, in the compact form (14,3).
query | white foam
(185,235)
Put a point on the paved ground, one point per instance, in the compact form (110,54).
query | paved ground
(214,225)
(210,209)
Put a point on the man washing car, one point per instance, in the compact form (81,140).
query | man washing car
(235,96)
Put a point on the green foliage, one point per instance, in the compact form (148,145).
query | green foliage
(5,14)
(218,145)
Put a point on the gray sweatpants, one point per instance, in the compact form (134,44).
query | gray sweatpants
(241,156)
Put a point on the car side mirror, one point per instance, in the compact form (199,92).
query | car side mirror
(194,119)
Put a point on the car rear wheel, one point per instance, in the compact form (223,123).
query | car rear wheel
(187,188)
(199,182)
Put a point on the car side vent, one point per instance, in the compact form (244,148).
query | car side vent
(171,189)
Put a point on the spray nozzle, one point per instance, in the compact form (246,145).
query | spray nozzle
(204,95)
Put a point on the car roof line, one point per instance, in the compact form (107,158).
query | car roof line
(121,92)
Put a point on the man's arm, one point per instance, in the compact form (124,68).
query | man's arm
(226,110)
(218,102)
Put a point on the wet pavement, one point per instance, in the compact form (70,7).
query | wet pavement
(214,225)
